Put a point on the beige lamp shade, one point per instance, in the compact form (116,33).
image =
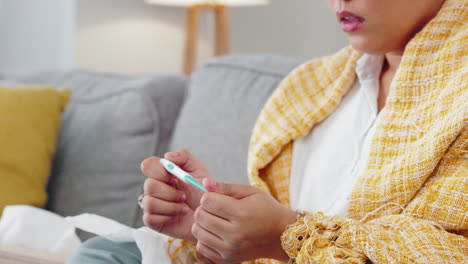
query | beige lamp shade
(204,2)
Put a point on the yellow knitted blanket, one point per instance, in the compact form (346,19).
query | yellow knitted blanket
(411,203)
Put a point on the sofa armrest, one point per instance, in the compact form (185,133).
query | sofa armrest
(21,255)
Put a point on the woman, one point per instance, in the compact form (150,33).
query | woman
(364,152)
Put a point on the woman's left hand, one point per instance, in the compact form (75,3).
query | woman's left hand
(236,223)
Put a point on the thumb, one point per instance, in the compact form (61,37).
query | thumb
(237,191)
(185,160)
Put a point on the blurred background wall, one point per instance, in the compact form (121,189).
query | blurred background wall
(130,36)
(37,34)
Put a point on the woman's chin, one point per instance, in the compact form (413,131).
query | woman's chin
(374,46)
(368,46)
(368,49)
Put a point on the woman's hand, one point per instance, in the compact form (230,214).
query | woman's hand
(169,203)
(236,223)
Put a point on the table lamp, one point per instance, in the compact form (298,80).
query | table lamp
(220,10)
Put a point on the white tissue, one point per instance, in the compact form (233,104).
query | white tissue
(152,245)
(31,227)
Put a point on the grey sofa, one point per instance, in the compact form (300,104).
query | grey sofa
(115,121)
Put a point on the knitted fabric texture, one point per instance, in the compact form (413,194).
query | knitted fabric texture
(410,205)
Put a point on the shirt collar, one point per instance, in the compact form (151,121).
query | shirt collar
(368,69)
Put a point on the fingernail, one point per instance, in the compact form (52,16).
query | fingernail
(171,155)
(209,185)
(175,154)
(185,209)
(172,181)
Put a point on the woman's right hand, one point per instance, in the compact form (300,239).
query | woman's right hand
(169,203)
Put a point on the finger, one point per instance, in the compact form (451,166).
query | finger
(151,168)
(156,221)
(214,224)
(160,207)
(208,252)
(185,160)
(219,205)
(207,238)
(163,191)
(237,191)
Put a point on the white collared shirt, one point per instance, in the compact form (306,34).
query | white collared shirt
(327,162)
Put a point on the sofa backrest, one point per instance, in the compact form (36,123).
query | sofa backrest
(225,97)
(111,124)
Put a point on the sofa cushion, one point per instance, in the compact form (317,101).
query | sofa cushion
(29,125)
(224,99)
(111,124)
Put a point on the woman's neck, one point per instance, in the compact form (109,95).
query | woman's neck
(392,61)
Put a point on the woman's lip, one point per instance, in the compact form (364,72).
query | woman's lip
(349,21)
(344,14)
(350,26)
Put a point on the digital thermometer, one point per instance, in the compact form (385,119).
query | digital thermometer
(181,174)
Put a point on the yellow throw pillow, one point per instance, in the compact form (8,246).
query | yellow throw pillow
(29,126)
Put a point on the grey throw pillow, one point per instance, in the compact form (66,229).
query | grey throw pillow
(111,124)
